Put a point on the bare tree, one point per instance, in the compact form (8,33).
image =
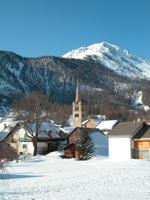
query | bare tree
(7,153)
(32,110)
(60,112)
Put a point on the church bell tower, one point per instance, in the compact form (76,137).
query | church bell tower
(78,110)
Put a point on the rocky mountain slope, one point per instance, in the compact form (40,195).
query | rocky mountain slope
(56,77)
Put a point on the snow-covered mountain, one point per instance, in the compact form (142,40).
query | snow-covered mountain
(119,60)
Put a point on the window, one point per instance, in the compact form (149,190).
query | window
(76,115)
(76,108)
(24,146)
(25,138)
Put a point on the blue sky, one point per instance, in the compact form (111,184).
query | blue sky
(54,27)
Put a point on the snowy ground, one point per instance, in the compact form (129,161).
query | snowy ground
(50,178)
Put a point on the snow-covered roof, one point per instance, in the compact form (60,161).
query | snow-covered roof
(67,129)
(107,124)
(3,134)
(54,135)
(47,130)
(7,123)
(5,131)
(47,126)
(84,122)
(96,119)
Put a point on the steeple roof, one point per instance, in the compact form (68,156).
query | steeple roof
(78,96)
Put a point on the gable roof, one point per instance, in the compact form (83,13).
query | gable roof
(126,129)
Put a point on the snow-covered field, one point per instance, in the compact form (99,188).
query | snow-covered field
(50,178)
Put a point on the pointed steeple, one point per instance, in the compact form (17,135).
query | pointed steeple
(78,96)
(78,110)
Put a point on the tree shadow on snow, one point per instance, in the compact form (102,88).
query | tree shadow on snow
(16,176)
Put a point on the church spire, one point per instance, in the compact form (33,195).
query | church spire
(78,96)
(78,110)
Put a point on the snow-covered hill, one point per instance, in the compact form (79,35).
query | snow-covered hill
(120,60)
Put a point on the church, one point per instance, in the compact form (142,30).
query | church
(80,117)
(78,109)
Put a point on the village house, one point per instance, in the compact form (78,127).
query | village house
(141,143)
(100,142)
(20,139)
(93,121)
(129,140)
(16,136)
(89,123)
(48,139)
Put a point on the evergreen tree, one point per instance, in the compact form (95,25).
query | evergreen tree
(85,145)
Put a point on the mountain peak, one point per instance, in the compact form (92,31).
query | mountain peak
(113,57)
(104,44)
(96,50)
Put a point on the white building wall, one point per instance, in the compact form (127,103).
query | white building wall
(119,148)
(22,147)
(29,145)
(26,148)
